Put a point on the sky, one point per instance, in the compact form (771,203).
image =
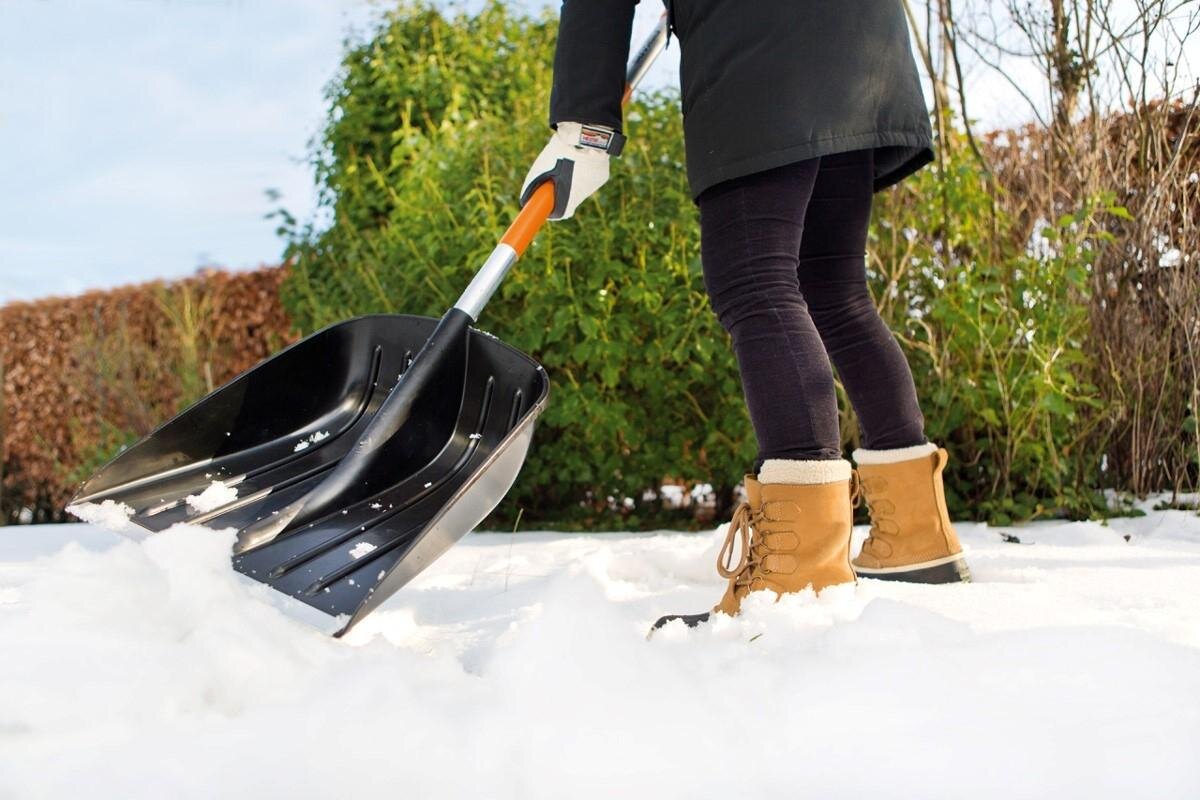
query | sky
(138,138)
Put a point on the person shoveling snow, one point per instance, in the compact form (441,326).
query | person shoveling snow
(344,494)
(784,206)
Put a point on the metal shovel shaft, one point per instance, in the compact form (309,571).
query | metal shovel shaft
(535,212)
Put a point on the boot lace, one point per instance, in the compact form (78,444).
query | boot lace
(744,521)
(877,512)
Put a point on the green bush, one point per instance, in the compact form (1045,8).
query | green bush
(993,325)
(432,124)
(421,170)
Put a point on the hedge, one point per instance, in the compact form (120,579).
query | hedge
(84,376)
(433,121)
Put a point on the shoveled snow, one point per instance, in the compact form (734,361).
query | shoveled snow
(107,514)
(216,495)
(360,549)
(313,439)
(517,667)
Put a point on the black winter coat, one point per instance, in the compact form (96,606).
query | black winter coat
(764,82)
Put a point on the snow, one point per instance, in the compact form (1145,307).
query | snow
(1170,258)
(107,514)
(1038,246)
(216,495)
(303,444)
(361,549)
(517,667)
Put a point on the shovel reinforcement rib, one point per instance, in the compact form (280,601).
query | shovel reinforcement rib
(356,475)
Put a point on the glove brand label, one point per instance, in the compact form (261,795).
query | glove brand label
(599,138)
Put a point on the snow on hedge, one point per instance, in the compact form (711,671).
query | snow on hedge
(517,666)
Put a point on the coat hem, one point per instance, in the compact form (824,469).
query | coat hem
(822,147)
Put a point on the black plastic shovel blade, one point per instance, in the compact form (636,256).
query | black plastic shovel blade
(277,430)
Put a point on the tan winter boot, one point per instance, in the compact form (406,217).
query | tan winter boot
(911,535)
(794,532)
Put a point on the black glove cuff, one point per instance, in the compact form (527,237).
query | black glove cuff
(599,137)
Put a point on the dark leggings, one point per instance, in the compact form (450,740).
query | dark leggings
(785,270)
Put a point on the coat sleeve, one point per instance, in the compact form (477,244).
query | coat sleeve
(589,61)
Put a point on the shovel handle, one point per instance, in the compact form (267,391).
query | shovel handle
(536,211)
(531,219)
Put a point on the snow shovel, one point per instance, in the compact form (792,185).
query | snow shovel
(351,460)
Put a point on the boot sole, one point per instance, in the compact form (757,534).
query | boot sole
(954,570)
(691,620)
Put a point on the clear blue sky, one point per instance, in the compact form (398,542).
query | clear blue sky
(138,137)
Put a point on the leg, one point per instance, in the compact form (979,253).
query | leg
(911,538)
(750,234)
(750,231)
(833,279)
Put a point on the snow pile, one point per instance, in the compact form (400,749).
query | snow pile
(216,495)
(517,667)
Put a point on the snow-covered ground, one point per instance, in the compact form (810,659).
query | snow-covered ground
(517,666)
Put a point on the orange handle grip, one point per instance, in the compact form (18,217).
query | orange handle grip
(531,219)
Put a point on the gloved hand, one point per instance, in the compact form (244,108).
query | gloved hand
(576,160)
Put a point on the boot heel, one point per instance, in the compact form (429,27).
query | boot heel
(954,571)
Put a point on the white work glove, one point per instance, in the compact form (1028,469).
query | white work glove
(576,161)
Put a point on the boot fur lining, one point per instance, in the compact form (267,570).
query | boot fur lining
(894,456)
(784,470)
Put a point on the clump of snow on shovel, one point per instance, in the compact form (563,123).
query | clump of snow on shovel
(361,549)
(304,443)
(109,515)
(216,495)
